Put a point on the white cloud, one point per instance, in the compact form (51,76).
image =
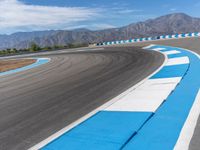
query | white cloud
(102,26)
(17,16)
(129,11)
(172,9)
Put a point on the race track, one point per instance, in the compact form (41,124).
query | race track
(36,103)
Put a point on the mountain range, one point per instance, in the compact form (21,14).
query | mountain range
(168,24)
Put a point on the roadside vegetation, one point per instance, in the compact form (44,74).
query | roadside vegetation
(36,48)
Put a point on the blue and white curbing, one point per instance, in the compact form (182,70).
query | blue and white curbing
(40,61)
(154,115)
(162,37)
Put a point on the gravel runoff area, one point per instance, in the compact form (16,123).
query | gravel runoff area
(10,64)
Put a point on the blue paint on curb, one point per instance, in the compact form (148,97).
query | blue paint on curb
(40,61)
(163,129)
(176,55)
(106,130)
(171,71)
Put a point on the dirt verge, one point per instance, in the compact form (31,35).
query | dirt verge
(6,65)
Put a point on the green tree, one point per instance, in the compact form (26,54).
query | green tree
(13,50)
(34,47)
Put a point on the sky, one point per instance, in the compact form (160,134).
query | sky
(38,15)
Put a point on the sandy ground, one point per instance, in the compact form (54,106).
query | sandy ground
(6,65)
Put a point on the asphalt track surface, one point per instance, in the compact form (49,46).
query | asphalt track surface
(36,103)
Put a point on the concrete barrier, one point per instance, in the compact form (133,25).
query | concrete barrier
(162,37)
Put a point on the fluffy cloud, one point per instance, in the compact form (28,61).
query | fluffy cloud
(17,16)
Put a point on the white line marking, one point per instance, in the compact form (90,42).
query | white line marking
(163,80)
(146,97)
(177,61)
(173,36)
(148,47)
(158,49)
(136,106)
(160,86)
(172,52)
(189,126)
(144,100)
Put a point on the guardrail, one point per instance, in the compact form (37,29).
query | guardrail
(162,37)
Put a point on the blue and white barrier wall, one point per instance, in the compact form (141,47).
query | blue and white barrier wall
(174,36)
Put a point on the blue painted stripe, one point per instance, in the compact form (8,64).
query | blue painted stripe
(190,34)
(171,71)
(105,130)
(163,129)
(176,55)
(40,61)
(183,35)
(196,33)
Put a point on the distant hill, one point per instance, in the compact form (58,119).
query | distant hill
(168,24)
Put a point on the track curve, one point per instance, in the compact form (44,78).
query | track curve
(36,103)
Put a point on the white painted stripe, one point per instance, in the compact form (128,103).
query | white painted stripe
(193,34)
(146,97)
(186,35)
(144,39)
(180,36)
(167,36)
(140,105)
(172,52)
(148,47)
(189,126)
(160,84)
(163,80)
(127,41)
(143,100)
(177,61)
(173,36)
(158,87)
(145,94)
(137,40)
(158,49)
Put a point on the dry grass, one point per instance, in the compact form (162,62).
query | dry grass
(6,65)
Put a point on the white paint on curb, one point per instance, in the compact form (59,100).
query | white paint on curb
(178,61)
(148,47)
(189,126)
(171,52)
(158,49)
(140,101)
